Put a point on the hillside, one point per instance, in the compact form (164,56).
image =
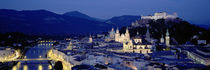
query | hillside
(42,21)
(121,21)
(180,31)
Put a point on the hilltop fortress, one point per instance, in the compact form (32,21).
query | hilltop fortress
(146,19)
(160,15)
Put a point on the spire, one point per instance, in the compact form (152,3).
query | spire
(161,36)
(117,31)
(90,39)
(112,29)
(148,35)
(137,33)
(90,36)
(162,39)
(127,31)
(167,33)
(167,39)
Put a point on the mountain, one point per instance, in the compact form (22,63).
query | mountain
(43,21)
(81,15)
(207,26)
(124,20)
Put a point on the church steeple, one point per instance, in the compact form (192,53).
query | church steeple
(167,33)
(137,33)
(127,31)
(127,34)
(112,29)
(90,39)
(148,34)
(117,31)
(162,39)
(167,38)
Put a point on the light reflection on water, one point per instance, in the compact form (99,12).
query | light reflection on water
(25,67)
(40,67)
(33,67)
(14,68)
(34,53)
(49,67)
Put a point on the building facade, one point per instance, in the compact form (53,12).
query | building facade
(160,15)
(117,36)
(200,55)
(138,44)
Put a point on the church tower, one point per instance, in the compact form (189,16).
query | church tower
(117,35)
(90,39)
(162,40)
(167,39)
(70,46)
(148,34)
(111,33)
(127,35)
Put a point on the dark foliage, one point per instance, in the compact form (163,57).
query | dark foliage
(58,66)
(121,21)
(180,31)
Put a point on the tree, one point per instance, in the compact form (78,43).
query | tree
(58,66)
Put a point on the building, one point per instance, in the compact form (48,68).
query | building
(117,36)
(201,42)
(148,35)
(138,44)
(167,39)
(122,37)
(162,40)
(160,15)
(46,43)
(90,39)
(200,55)
(70,46)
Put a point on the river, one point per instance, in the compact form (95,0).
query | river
(36,52)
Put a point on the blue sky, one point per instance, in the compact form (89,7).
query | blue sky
(195,11)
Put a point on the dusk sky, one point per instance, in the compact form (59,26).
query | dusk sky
(195,11)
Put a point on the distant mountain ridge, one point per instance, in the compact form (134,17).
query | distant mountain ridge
(42,21)
(81,15)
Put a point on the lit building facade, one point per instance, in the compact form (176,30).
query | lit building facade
(117,36)
(167,39)
(160,15)
(123,37)
(90,39)
(200,55)
(138,44)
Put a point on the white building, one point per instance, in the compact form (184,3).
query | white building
(90,39)
(160,15)
(117,36)
(138,44)
(200,55)
(122,37)
(167,39)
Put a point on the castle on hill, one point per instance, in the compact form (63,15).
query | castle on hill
(161,15)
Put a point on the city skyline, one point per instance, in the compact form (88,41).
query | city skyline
(195,11)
